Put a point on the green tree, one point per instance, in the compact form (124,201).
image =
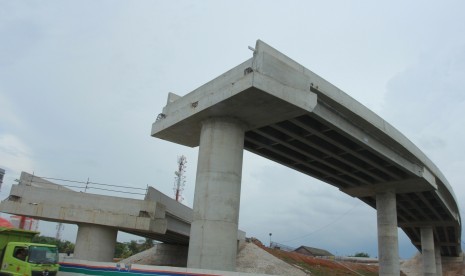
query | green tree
(361,255)
(122,251)
(133,247)
(147,244)
(63,246)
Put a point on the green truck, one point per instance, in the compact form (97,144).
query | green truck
(20,257)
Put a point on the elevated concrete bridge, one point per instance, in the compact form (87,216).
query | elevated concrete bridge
(100,217)
(274,107)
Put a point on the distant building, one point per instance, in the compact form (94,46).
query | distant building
(314,252)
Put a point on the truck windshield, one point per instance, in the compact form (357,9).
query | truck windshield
(43,255)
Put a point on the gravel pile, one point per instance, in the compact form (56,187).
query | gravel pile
(253,259)
(146,257)
(250,259)
(414,266)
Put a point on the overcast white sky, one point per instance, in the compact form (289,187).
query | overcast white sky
(81,82)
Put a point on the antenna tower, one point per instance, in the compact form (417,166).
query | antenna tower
(60,228)
(180,178)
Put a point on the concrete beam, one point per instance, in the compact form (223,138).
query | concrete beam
(75,207)
(343,124)
(425,182)
(433,223)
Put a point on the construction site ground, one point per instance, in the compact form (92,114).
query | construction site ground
(254,257)
(302,263)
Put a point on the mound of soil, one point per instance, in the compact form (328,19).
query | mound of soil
(321,267)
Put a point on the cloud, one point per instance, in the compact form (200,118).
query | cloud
(426,102)
(14,154)
(300,210)
(78,97)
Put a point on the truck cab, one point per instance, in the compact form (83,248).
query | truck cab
(20,257)
(29,259)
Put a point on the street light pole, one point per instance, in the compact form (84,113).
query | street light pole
(270,239)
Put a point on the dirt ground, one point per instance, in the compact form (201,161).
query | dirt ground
(317,266)
(450,267)
(254,257)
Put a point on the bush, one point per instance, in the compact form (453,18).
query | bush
(361,255)
(63,246)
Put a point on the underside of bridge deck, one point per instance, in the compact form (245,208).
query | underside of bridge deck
(308,145)
(300,120)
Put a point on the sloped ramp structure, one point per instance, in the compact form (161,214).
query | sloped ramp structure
(274,107)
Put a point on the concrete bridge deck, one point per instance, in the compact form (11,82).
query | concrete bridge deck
(157,217)
(292,116)
(99,217)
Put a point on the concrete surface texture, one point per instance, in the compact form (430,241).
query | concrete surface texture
(99,217)
(438,259)
(388,247)
(300,120)
(76,207)
(217,195)
(427,251)
(95,242)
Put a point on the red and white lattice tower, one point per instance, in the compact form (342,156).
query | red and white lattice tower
(25,223)
(60,228)
(180,178)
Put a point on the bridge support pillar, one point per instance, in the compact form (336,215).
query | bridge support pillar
(388,247)
(427,251)
(437,252)
(213,236)
(95,243)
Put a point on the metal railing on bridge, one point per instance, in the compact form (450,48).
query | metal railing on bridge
(84,186)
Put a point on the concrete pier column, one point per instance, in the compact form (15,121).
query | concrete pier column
(427,251)
(388,246)
(437,252)
(95,243)
(213,236)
